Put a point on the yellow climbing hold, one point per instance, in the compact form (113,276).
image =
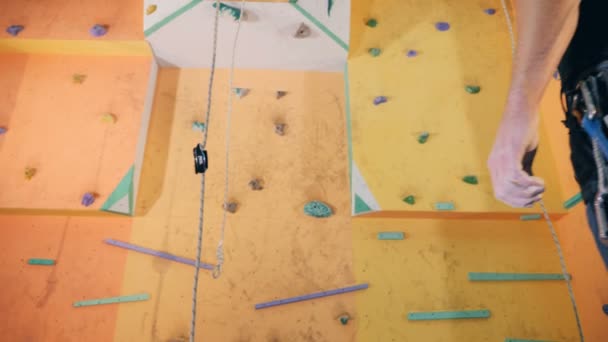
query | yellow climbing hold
(30,172)
(79,78)
(151,9)
(108,118)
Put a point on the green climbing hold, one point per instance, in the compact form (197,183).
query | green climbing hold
(372,23)
(423,137)
(471,89)
(45,262)
(234,12)
(344,319)
(375,52)
(411,200)
(317,209)
(470,179)
(198,126)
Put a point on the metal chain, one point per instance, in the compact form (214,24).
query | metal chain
(199,245)
(558,246)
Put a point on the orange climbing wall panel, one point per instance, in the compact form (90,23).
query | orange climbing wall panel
(72,19)
(36,301)
(427,93)
(272,249)
(54,125)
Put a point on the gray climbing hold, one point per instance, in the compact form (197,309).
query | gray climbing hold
(280,94)
(230,207)
(256,184)
(279,128)
(302,32)
(317,209)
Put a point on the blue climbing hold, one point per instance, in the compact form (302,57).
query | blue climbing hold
(88,199)
(380,100)
(490,11)
(98,30)
(412,53)
(442,26)
(317,209)
(2,130)
(605,308)
(14,30)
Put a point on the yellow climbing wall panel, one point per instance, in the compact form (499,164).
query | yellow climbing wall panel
(427,93)
(272,249)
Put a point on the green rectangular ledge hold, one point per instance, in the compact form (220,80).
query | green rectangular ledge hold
(440,315)
(530,217)
(572,201)
(391,236)
(113,300)
(45,262)
(481,276)
(444,206)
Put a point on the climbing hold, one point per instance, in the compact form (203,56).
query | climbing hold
(472,89)
(344,318)
(151,9)
(572,201)
(442,26)
(530,217)
(234,12)
(317,209)
(330,4)
(489,11)
(470,179)
(372,22)
(241,92)
(439,315)
(391,236)
(380,99)
(556,75)
(43,262)
(98,30)
(281,94)
(2,130)
(230,207)
(88,199)
(113,300)
(310,296)
(198,126)
(412,53)
(108,118)
(423,137)
(14,30)
(279,128)
(375,52)
(256,184)
(444,206)
(605,308)
(303,31)
(411,200)
(79,78)
(30,172)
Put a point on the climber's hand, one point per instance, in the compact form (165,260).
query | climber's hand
(517,134)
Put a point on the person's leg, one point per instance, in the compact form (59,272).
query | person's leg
(594,232)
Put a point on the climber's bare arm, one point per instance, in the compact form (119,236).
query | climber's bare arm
(544,30)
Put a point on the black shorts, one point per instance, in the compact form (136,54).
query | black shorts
(584,56)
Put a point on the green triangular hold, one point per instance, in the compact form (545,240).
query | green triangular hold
(360,205)
(121,199)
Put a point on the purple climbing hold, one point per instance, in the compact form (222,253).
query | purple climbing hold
(490,11)
(556,75)
(88,199)
(412,53)
(98,30)
(442,26)
(2,130)
(14,30)
(379,100)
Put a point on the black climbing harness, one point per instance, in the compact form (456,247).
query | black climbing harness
(201,163)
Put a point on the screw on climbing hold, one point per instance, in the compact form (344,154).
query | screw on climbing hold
(302,32)
(280,94)
(241,92)
(88,199)
(29,173)
(14,30)
(372,22)
(98,30)
(256,184)
(470,179)
(234,12)
(380,100)
(411,200)
(79,78)
(442,26)
(556,75)
(423,137)
(489,11)
(230,207)
(279,128)
(412,53)
(3,130)
(317,209)
(201,163)
(444,206)
(151,9)
(472,89)
(198,126)
(375,52)
(344,318)
(42,262)
(108,118)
